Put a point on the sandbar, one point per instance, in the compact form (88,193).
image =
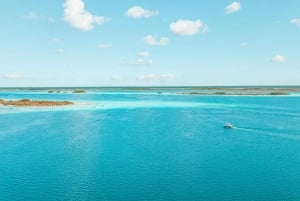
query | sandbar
(34,103)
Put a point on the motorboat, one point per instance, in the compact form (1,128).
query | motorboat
(228,125)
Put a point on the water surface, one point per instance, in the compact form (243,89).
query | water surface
(146,146)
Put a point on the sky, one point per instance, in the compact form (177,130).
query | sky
(149,43)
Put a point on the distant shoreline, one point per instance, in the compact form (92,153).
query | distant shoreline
(150,87)
(184,90)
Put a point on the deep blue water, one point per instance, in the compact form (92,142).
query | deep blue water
(140,146)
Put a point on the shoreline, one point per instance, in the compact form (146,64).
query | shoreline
(184,90)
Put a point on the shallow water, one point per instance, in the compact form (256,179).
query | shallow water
(143,146)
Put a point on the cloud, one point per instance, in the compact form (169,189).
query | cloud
(166,77)
(104,46)
(79,18)
(153,41)
(188,27)
(143,54)
(143,59)
(140,61)
(278,59)
(12,76)
(233,7)
(36,16)
(143,62)
(295,21)
(156,77)
(139,12)
(59,51)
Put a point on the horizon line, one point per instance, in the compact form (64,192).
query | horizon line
(143,86)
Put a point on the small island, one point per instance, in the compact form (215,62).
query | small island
(34,103)
(79,91)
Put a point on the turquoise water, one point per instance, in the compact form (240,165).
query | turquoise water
(146,146)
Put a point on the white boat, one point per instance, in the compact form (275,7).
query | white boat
(228,125)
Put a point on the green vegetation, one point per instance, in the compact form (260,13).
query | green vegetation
(193,93)
(278,93)
(39,103)
(79,91)
(220,93)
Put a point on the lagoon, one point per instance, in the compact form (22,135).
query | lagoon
(147,146)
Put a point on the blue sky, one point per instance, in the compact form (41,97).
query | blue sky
(149,42)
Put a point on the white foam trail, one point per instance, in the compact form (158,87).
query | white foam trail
(282,135)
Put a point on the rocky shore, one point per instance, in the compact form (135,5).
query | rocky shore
(34,103)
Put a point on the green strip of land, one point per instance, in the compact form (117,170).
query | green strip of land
(36,103)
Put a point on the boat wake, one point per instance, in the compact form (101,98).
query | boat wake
(288,134)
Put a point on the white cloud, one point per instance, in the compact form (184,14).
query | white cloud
(233,7)
(295,21)
(36,16)
(153,41)
(156,77)
(143,54)
(278,59)
(104,46)
(188,27)
(140,61)
(59,51)
(148,77)
(166,77)
(139,12)
(79,18)
(143,62)
(143,59)
(12,76)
